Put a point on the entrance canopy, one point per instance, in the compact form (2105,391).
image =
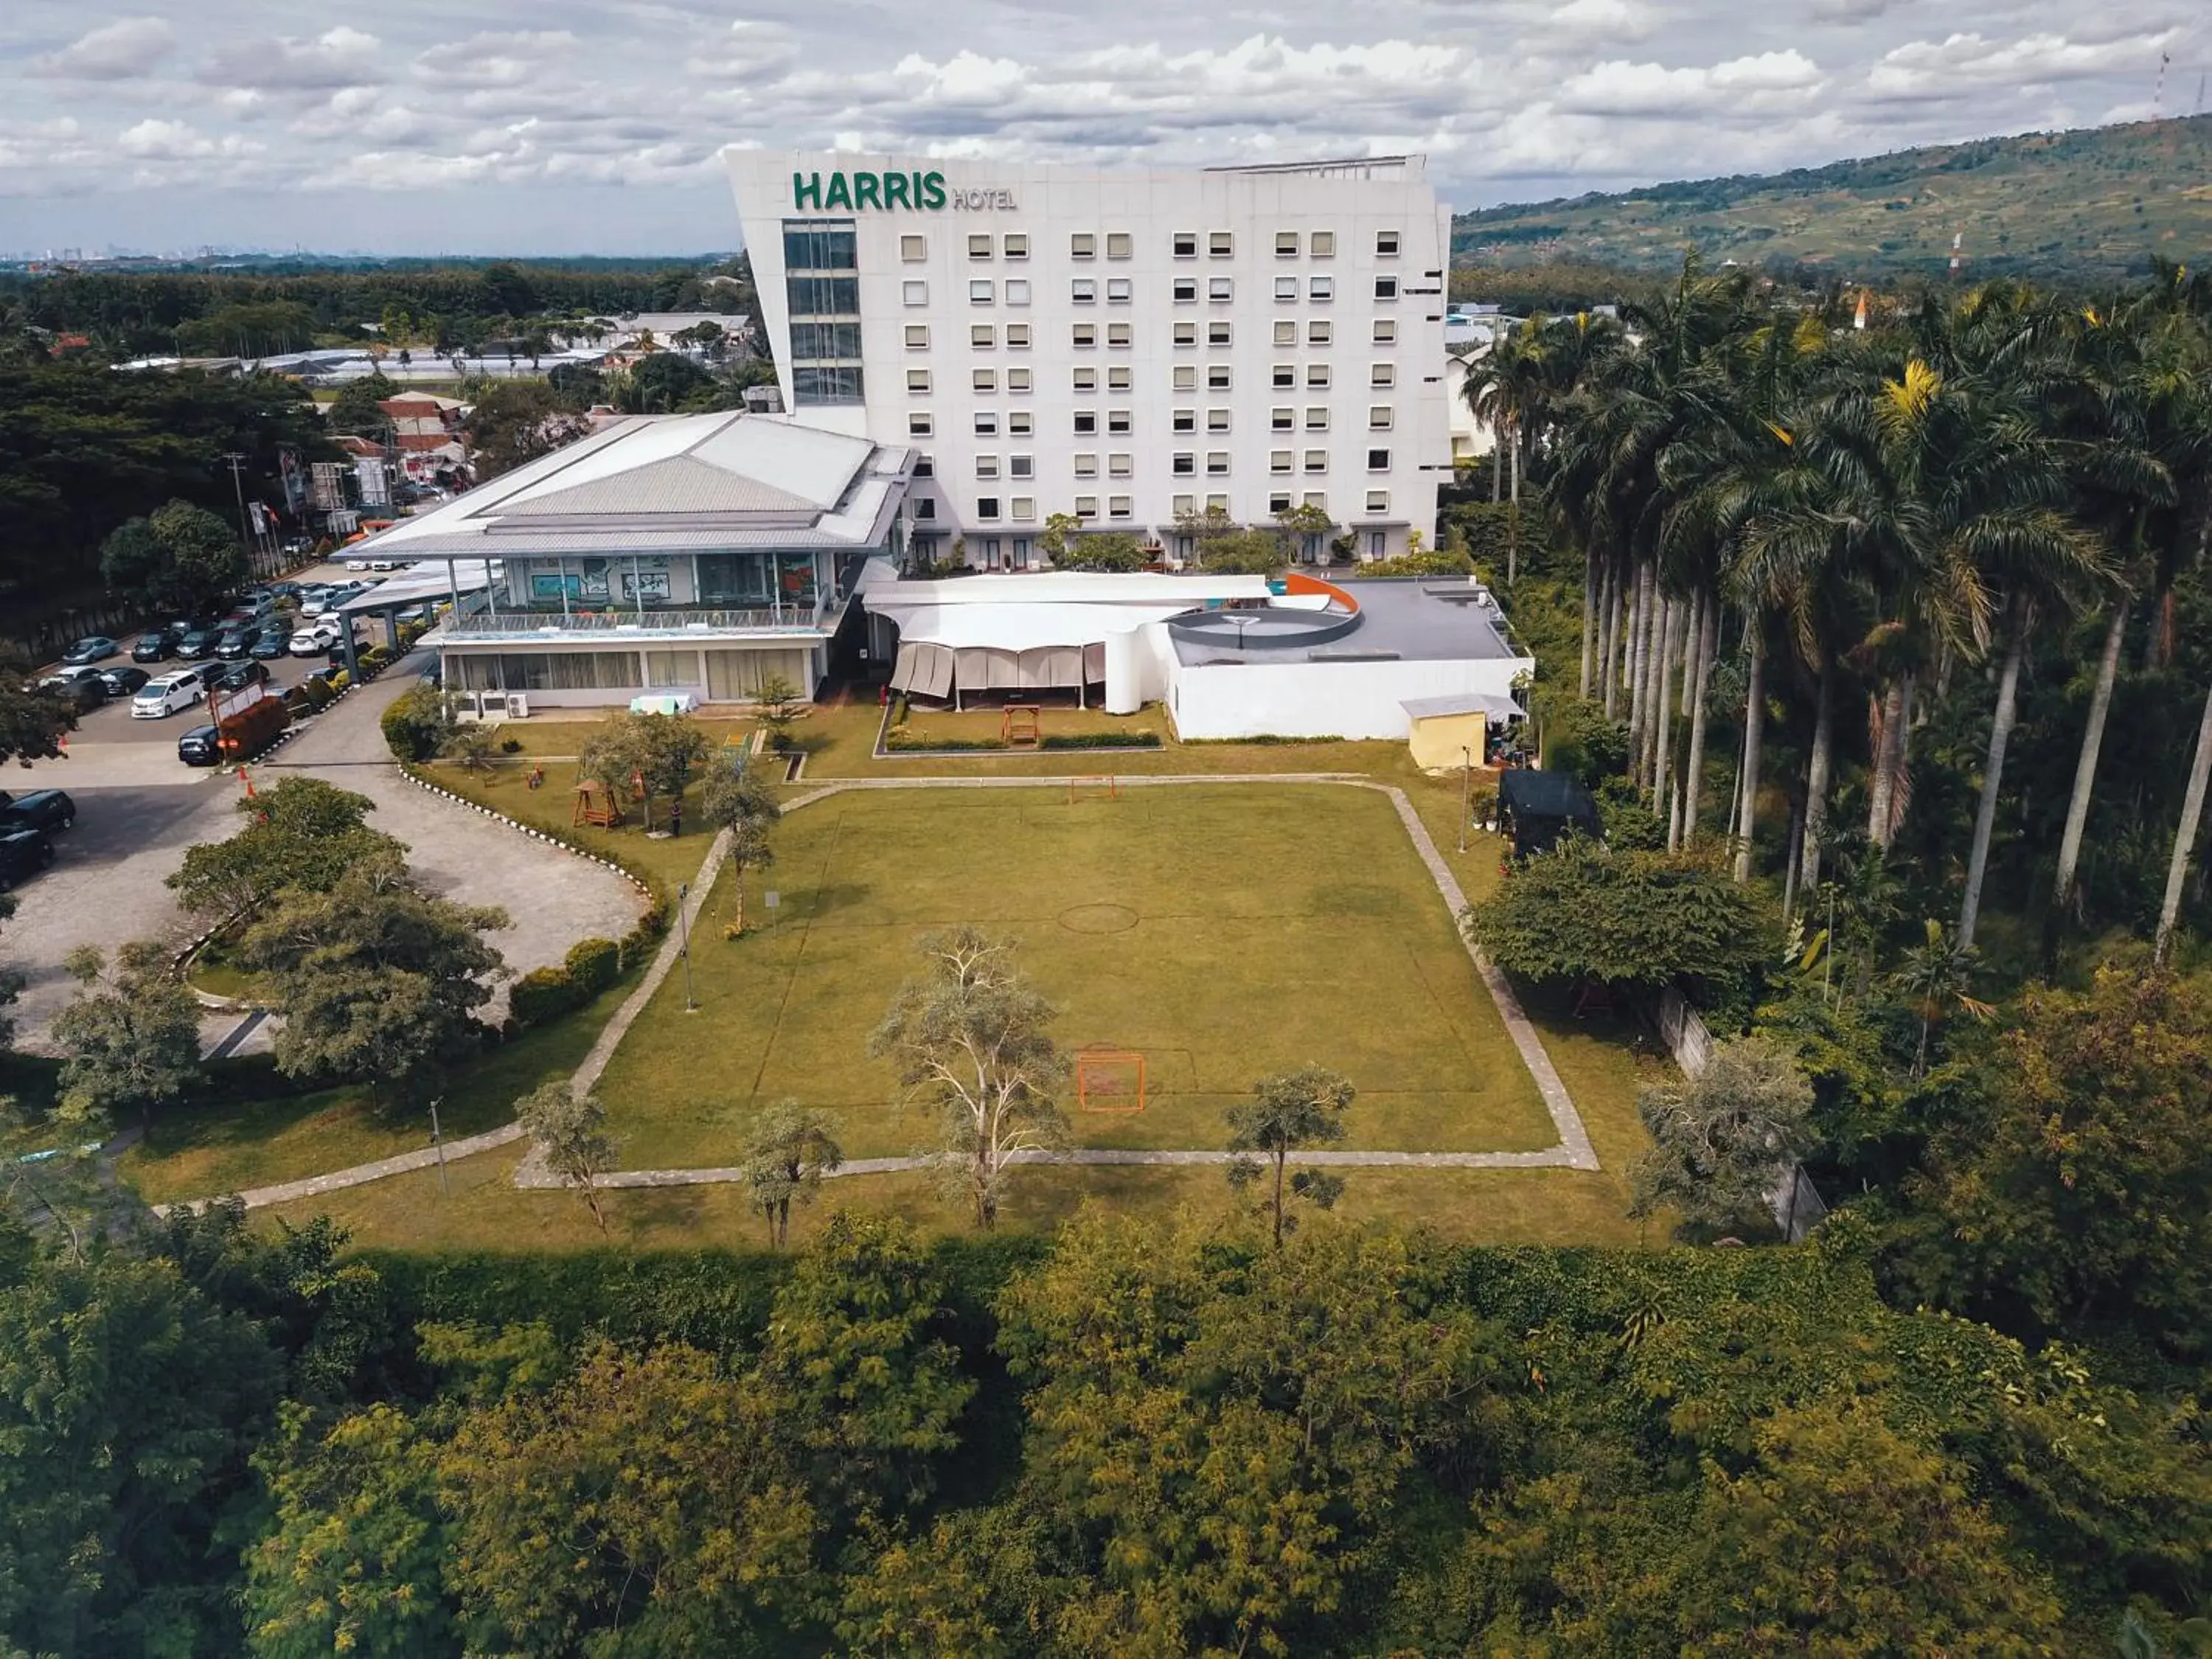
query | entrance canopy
(926,669)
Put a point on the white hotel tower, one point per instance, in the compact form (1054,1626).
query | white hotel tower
(1128,346)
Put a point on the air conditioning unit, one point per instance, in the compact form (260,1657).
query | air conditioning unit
(518,706)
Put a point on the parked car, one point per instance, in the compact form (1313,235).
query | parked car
(154,647)
(236,643)
(314,640)
(77,688)
(200,747)
(273,642)
(49,812)
(23,854)
(121,682)
(96,647)
(180,688)
(197,645)
(239,674)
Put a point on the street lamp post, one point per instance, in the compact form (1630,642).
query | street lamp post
(1466,793)
(438,1140)
(683,929)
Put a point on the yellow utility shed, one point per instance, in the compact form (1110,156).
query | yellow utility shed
(1448,733)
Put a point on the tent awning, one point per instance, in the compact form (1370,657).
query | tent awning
(1494,704)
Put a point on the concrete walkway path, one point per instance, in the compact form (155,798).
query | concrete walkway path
(1573,1151)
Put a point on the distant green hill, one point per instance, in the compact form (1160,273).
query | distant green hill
(2096,202)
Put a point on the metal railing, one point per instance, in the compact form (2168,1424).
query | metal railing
(647,622)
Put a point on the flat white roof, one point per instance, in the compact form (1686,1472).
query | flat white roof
(1146,587)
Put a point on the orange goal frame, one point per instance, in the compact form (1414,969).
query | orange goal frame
(1105,780)
(1099,1073)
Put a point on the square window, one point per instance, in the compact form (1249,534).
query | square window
(1221,244)
(1379,418)
(919,425)
(1017,245)
(1319,332)
(1086,379)
(1286,245)
(1117,290)
(1386,244)
(1120,245)
(1017,292)
(1083,244)
(1317,419)
(1018,337)
(1117,378)
(917,336)
(1186,245)
(1118,507)
(1183,464)
(982,293)
(1216,463)
(1185,420)
(1286,332)
(1386,287)
(1383,374)
(987,506)
(1317,376)
(986,422)
(1280,502)
(915,294)
(1321,288)
(1378,461)
(1378,501)
(1086,422)
(1186,377)
(1220,288)
(1322,244)
(1186,334)
(1278,460)
(1217,334)
(1316,498)
(1024,510)
(1217,377)
(924,507)
(1117,422)
(1217,420)
(1386,330)
(1186,291)
(1185,506)
(1018,422)
(1084,336)
(917,380)
(1217,503)
(1082,291)
(1284,375)
(1017,379)
(1086,507)
(1117,334)
(1119,466)
(979,247)
(913,249)
(1282,420)
(1287,288)
(985,379)
(983,336)
(1086,466)
(987,466)
(1316,460)
(1021,466)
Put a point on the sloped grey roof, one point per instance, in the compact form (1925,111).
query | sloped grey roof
(679,484)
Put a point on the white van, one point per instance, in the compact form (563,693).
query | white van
(180,688)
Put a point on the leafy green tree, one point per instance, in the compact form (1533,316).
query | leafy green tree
(779,707)
(644,1500)
(1722,1141)
(131,1035)
(357,408)
(1305,1108)
(663,383)
(741,803)
(853,1359)
(417,723)
(353,1557)
(512,422)
(1583,911)
(303,834)
(179,558)
(1935,973)
(569,1131)
(128,1405)
(471,747)
(376,981)
(787,1151)
(32,725)
(971,1039)
(657,752)
(937,1594)
(1111,550)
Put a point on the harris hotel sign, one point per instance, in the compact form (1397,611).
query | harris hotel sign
(925,192)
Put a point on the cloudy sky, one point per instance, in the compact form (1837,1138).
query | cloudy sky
(590,126)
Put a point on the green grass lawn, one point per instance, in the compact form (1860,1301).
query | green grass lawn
(1225,934)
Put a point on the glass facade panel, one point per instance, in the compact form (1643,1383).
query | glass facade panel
(819,245)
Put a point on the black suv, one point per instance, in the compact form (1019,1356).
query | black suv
(154,647)
(44,809)
(239,675)
(23,853)
(200,746)
(197,645)
(236,643)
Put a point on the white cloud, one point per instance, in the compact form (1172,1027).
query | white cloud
(120,50)
(493,60)
(337,57)
(1934,68)
(1621,89)
(179,141)
(1594,23)
(749,50)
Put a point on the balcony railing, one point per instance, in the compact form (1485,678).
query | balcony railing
(791,620)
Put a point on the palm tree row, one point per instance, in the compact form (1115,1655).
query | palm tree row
(1766,495)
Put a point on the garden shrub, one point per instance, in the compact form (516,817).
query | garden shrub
(1102,740)
(542,995)
(593,966)
(414,725)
